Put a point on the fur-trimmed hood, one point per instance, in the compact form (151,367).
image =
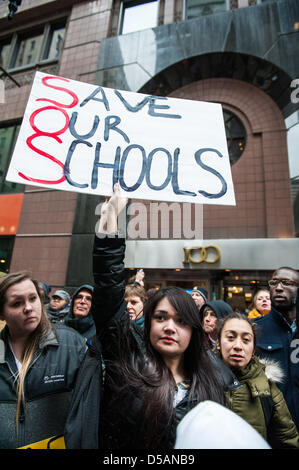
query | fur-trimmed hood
(273,370)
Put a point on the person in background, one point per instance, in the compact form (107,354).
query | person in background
(46,289)
(261,304)
(79,316)
(135,296)
(199,295)
(59,306)
(277,332)
(151,292)
(258,400)
(210,314)
(38,367)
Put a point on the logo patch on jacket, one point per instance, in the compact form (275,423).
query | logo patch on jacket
(48,379)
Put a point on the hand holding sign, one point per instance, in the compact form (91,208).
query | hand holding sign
(85,138)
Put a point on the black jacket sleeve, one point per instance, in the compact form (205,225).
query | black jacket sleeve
(108,270)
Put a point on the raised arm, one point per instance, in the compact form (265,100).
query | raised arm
(108,265)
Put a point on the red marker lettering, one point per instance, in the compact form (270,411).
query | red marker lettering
(53,135)
(69,92)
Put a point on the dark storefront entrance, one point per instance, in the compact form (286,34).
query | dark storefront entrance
(235,287)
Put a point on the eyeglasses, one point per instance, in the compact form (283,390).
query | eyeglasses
(283,282)
(80,297)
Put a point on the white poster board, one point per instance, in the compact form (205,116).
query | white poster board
(81,137)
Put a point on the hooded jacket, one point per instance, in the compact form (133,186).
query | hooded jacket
(58,315)
(220,308)
(85,325)
(258,380)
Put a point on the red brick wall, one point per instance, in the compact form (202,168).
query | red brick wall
(261,176)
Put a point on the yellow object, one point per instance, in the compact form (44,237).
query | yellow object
(56,442)
(255,313)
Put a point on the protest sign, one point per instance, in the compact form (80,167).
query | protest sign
(81,137)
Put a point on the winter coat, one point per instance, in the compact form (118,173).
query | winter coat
(221,308)
(48,387)
(254,313)
(121,421)
(120,425)
(58,315)
(277,341)
(85,325)
(258,380)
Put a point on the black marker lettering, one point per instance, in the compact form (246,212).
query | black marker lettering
(93,97)
(122,168)
(74,133)
(148,169)
(115,120)
(211,170)
(67,172)
(97,165)
(133,109)
(175,184)
(152,107)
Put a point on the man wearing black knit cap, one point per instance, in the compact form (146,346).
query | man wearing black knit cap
(199,295)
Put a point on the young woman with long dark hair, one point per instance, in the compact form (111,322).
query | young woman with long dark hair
(155,375)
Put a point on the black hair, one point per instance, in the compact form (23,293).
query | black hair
(238,316)
(289,268)
(155,382)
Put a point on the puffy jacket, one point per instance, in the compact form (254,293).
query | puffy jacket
(258,381)
(119,428)
(48,386)
(276,341)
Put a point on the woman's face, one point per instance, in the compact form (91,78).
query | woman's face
(237,343)
(210,322)
(263,302)
(134,306)
(169,335)
(22,309)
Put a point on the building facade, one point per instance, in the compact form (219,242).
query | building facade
(241,54)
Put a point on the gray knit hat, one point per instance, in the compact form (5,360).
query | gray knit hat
(202,291)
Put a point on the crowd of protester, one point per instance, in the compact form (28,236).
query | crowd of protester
(116,366)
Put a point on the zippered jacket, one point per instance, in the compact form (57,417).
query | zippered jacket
(48,386)
(120,408)
(277,341)
(259,381)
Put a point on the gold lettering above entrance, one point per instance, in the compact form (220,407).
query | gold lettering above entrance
(199,254)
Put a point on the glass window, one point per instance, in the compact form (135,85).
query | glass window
(139,15)
(8,137)
(195,8)
(45,43)
(27,51)
(54,42)
(4,53)
(6,247)
(235,135)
